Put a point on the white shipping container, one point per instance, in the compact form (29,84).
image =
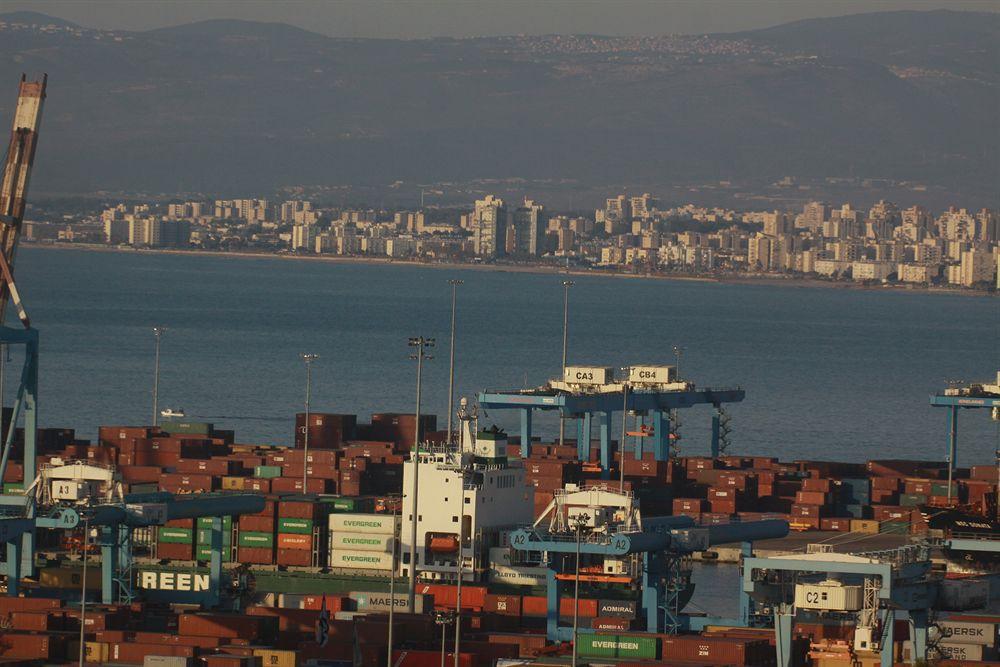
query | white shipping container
(361,560)
(949,651)
(361,542)
(652,374)
(518,576)
(364,523)
(165,661)
(967,632)
(588,375)
(367,601)
(830,596)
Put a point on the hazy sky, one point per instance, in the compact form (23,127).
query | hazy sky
(463,18)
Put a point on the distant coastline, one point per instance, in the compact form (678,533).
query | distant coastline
(735,279)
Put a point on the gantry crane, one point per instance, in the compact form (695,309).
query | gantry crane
(15,511)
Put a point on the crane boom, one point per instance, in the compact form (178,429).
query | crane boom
(14,185)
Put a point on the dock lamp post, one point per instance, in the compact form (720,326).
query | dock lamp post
(678,353)
(421,344)
(396,506)
(621,448)
(83,585)
(578,524)
(566,285)
(309,359)
(443,618)
(157,333)
(451,368)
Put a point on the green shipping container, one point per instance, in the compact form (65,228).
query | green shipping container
(297,526)
(206,522)
(267,472)
(941,489)
(255,539)
(176,535)
(912,499)
(204,536)
(187,428)
(205,553)
(349,504)
(619,646)
(13,488)
(895,527)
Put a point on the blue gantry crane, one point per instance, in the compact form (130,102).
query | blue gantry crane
(978,395)
(599,537)
(585,392)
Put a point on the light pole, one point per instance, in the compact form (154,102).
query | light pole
(392,578)
(579,523)
(678,352)
(83,592)
(309,359)
(157,333)
(451,368)
(621,448)
(421,344)
(566,285)
(461,557)
(443,618)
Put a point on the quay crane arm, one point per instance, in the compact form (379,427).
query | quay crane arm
(14,186)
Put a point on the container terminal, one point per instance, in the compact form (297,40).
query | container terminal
(391,542)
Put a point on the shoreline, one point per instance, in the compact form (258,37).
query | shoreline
(748,279)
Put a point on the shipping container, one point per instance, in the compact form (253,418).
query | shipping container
(293,525)
(361,542)
(254,539)
(619,646)
(364,560)
(175,535)
(364,523)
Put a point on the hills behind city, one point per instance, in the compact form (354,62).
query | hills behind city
(239,107)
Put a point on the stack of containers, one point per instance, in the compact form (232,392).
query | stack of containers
(362,541)
(854,497)
(300,531)
(203,538)
(256,536)
(812,503)
(175,540)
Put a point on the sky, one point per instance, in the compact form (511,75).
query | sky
(466,18)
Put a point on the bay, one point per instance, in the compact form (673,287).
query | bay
(829,373)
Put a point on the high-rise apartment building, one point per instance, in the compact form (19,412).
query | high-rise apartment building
(489,227)
(529,224)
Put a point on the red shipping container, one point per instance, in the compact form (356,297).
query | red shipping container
(890,483)
(707,650)
(804,523)
(230,626)
(295,557)
(587,608)
(821,485)
(689,505)
(299,509)
(174,551)
(255,555)
(294,485)
(259,485)
(723,506)
(917,486)
(891,513)
(837,524)
(505,605)
(37,621)
(258,524)
(32,647)
(158,638)
(811,498)
(140,474)
(9,604)
(611,624)
(295,541)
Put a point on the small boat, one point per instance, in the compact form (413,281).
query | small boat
(172,413)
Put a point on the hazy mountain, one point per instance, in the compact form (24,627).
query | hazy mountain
(241,106)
